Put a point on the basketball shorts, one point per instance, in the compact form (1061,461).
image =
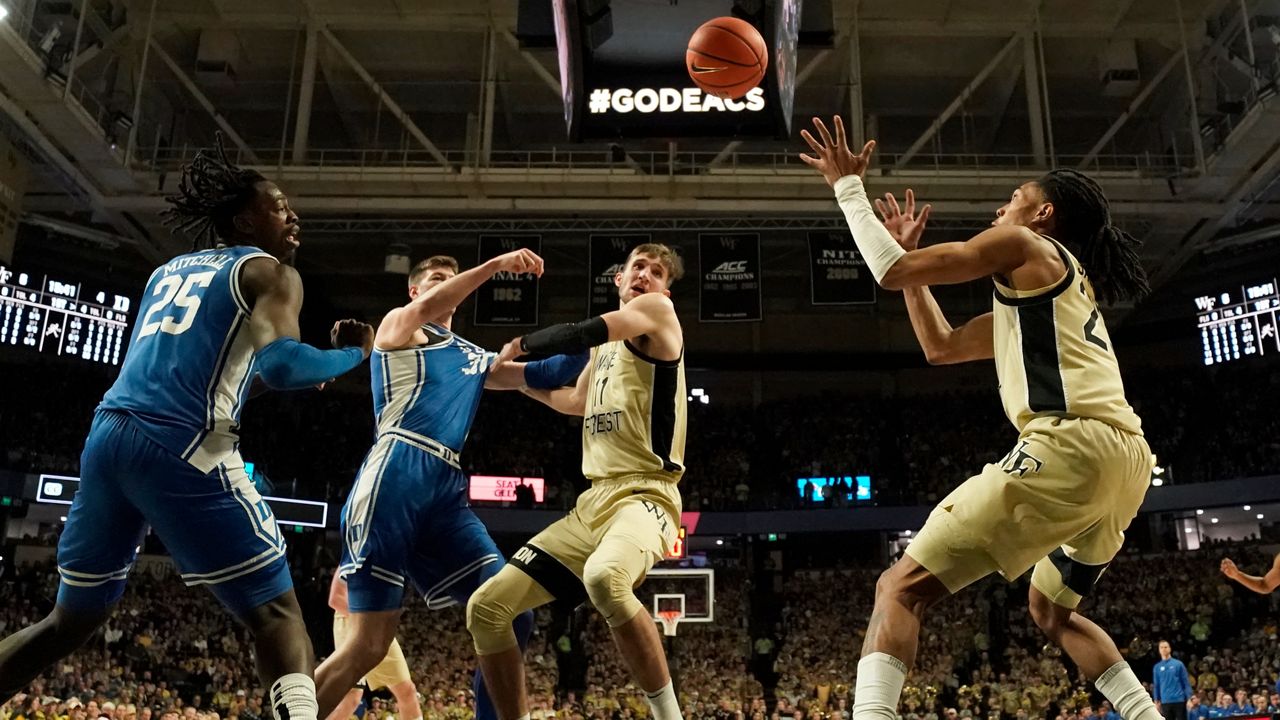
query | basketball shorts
(393,669)
(218,529)
(1059,500)
(407,519)
(642,510)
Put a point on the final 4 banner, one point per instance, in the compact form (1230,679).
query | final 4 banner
(608,251)
(508,298)
(729,286)
(837,273)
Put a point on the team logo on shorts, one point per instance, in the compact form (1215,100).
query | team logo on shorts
(1020,461)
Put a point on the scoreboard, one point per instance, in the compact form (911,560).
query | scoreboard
(62,317)
(1240,323)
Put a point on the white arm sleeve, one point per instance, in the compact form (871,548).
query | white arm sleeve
(875,243)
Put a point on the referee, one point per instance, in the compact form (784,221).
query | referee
(1170,686)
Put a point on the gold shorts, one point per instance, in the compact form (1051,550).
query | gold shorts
(1060,500)
(393,669)
(645,511)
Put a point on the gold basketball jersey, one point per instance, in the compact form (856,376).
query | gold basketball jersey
(636,415)
(1053,353)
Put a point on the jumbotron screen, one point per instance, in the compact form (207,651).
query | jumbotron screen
(623,74)
(1239,323)
(62,316)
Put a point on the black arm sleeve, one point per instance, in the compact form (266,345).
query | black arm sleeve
(567,338)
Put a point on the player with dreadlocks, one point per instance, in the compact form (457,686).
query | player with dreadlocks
(1061,499)
(162,450)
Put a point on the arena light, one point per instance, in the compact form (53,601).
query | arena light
(1157,470)
(720,541)
(1247,508)
(1157,481)
(1260,516)
(1188,530)
(1199,512)
(1213,520)
(4,12)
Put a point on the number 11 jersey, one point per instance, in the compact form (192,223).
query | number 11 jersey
(1054,356)
(186,376)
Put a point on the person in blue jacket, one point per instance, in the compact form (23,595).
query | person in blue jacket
(1170,685)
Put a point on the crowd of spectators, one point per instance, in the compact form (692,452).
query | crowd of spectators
(981,655)
(1205,425)
(171,649)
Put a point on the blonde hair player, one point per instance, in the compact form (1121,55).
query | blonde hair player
(632,398)
(1062,498)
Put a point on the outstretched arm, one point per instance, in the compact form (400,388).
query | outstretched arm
(644,315)
(1262,585)
(998,250)
(399,325)
(570,400)
(282,361)
(548,374)
(941,343)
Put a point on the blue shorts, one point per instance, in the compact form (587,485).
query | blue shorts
(220,532)
(407,519)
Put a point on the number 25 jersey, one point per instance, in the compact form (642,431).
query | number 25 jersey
(1053,353)
(190,361)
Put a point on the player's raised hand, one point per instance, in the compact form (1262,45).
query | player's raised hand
(352,333)
(520,261)
(905,227)
(1229,569)
(831,154)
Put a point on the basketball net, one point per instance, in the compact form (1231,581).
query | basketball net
(670,619)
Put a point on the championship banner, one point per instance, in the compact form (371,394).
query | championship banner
(837,273)
(508,298)
(607,254)
(13,182)
(729,290)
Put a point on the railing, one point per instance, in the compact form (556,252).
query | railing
(22,21)
(664,163)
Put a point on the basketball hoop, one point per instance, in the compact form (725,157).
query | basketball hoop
(670,619)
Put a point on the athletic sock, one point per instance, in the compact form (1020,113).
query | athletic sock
(879,686)
(664,704)
(293,697)
(1119,685)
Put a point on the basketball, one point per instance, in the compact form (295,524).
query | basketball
(726,57)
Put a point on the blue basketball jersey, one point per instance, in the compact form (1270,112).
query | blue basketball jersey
(190,361)
(430,390)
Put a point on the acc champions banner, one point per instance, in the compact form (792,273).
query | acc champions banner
(508,298)
(729,286)
(838,274)
(607,254)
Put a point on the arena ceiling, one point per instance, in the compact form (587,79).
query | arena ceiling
(428,115)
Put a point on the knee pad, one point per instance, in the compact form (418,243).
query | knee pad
(611,588)
(489,619)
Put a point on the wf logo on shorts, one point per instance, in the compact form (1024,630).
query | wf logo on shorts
(1020,461)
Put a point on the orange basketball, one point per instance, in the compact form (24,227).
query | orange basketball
(726,57)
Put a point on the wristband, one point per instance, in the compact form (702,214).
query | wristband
(566,339)
(877,246)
